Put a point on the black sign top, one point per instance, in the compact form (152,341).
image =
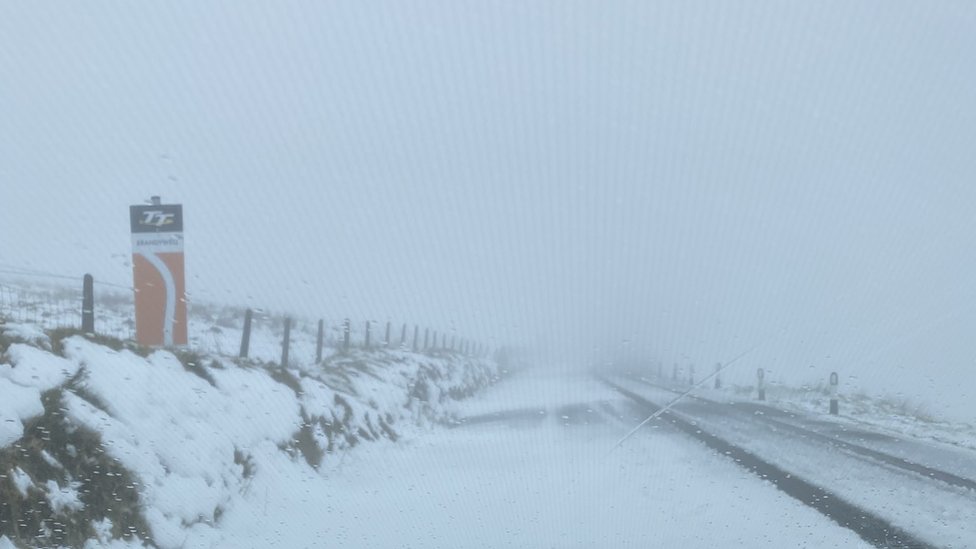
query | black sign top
(165,218)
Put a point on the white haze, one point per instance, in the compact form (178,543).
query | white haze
(671,180)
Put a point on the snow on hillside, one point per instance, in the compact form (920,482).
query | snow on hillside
(103,443)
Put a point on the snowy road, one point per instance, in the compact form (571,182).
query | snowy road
(923,488)
(531,468)
(530,465)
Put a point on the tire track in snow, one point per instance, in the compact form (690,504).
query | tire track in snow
(888,459)
(870,527)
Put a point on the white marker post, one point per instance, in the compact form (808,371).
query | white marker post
(761,384)
(833,393)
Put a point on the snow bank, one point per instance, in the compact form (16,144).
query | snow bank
(197,436)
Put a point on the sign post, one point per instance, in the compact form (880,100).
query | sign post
(157,272)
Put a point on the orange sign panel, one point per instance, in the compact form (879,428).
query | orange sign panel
(157,270)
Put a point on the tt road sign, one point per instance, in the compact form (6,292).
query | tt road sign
(157,271)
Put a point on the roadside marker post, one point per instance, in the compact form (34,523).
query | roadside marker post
(833,393)
(88,305)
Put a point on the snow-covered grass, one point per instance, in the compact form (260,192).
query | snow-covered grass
(893,413)
(103,442)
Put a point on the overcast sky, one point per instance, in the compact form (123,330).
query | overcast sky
(679,180)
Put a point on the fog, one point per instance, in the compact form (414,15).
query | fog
(672,181)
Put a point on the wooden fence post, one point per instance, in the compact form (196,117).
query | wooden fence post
(416,331)
(718,375)
(88,305)
(387,342)
(286,341)
(346,328)
(426,338)
(319,340)
(403,335)
(246,335)
(366,339)
(761,383)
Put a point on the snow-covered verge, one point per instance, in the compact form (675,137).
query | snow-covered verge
(105,444)
(894,414)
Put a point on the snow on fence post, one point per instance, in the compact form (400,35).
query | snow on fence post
(285,341)
(833,393)
(88,305)
(761,383)
(718,375)
(246,334)
(319,340)
(386,342)
(345,335)
(366,338)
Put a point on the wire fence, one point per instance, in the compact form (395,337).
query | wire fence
(221,330)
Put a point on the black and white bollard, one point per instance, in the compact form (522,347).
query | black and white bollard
(761,383)
(88,305)
(833,393)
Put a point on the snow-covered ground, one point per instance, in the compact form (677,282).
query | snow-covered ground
(103,445)
(935,511)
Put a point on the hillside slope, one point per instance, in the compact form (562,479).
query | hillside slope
(104,444)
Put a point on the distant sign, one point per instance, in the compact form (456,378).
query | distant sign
(157,271)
